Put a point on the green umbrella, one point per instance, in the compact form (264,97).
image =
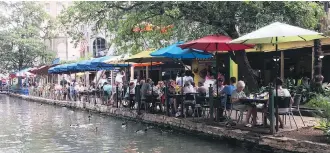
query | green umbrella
(276,33)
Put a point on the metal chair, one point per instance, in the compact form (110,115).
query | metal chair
(284,108)
(296,106)
(200,100)
(189,100)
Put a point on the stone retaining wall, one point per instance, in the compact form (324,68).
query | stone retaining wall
(276,143)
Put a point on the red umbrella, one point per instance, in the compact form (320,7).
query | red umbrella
(213,43)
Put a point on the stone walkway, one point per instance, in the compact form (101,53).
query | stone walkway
(309,121)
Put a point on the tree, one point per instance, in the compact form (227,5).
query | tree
(21,38)
(140,25)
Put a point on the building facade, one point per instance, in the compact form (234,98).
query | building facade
(93,44)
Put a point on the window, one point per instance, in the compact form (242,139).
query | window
(82,28)
(59,8)
(99,47)
(47,7)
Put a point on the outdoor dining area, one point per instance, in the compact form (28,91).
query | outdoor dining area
(209,99)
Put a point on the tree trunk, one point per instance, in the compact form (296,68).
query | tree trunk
(20,66)
(318,78)
(248,75)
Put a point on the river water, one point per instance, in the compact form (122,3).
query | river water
(35,127)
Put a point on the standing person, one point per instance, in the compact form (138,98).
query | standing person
(63,82)
(146,89)
(119,82)
(73,91)
(102,80)
(188,77)
(130,94)
(179,79)
(119,77)
(107,88)
(58,91)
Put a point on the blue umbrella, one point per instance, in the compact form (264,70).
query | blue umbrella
(73,67)
(63,68)
(173,51)
(100,61)
(85,66)
(51,70)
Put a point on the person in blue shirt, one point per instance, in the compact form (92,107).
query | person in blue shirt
(228,90)
(107,88)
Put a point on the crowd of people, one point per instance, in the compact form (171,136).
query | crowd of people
(233,92)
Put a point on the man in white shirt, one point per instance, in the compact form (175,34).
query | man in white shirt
(188,88)
(119,77)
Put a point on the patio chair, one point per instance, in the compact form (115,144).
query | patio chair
(206,108)
(296,106)
(227,105)
(200,100)
(189,100)
(283,104)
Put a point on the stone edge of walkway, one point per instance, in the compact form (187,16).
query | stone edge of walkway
(277,143)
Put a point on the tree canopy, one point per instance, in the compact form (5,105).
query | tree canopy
(22,34)
(140,25)
(136,26)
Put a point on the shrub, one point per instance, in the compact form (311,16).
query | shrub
(322,105)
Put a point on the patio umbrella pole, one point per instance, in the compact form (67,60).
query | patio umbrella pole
(182,112)
(276,92)
(152,85)
(129,87)
(217,82)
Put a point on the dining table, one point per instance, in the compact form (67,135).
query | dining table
(253,102)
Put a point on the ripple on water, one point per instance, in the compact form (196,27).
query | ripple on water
(35,128)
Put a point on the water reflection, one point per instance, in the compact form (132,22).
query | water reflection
(34,127)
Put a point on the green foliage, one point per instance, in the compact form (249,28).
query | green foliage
(190,19)
(21,42)
(322,104)
(88,57)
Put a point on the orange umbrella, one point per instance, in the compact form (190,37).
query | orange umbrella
(146,64)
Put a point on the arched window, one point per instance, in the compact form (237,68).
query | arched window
(47,7)
(59,8)
(61,51)
(99,47)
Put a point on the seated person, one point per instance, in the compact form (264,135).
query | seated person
(146,89)
(171,87)
(238,94)
(218,87)
(228,90)
(282,92)
(188,88)
(201,88)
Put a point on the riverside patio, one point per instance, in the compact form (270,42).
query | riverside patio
(199,48)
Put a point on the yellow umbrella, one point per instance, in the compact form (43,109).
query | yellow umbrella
(80,74)
(287,45)
(116,60)
(144,57)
